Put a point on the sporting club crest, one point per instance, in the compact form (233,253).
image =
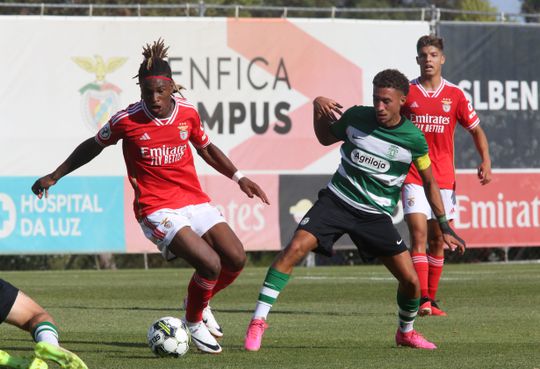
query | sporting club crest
(392,152)
(100,99)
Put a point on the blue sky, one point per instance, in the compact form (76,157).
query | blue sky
(507,6)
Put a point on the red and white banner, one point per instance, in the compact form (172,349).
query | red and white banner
(505,212)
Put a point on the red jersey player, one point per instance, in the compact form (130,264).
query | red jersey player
(436,106)
(170,205)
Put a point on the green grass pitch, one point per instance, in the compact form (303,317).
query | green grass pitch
(327,317)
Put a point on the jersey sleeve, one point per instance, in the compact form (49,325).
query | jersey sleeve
(421,147)
(111,132)
(199,138)
(339,127)
(466,115)
(420,155)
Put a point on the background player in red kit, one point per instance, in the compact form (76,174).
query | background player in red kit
(436,106)
(169,204)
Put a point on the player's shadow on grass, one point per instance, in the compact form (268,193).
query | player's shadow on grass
(30,348)
(75,342)
(112,343)
(276,311)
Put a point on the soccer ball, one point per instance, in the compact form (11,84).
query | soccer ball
(169,336)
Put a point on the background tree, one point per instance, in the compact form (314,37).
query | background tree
(531,7)
(477,6)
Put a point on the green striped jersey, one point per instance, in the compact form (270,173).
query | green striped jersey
(374,160)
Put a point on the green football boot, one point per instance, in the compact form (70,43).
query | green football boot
(38,364)
(66,359)
(17,362)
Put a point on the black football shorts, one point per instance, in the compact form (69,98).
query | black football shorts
(330,218)
(8,295)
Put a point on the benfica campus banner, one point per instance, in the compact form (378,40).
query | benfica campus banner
(252,81)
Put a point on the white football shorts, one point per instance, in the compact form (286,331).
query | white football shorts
(162,225)
(414,200)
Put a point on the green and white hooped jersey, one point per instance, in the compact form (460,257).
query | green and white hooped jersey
(374,160)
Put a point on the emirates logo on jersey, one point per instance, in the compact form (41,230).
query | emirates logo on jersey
(163,155)
(446,105)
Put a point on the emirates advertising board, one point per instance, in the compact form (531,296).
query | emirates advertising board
(252,81)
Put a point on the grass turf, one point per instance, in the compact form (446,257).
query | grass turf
(327,317)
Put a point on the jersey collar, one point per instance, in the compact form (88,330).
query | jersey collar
(161,121)
(431,94)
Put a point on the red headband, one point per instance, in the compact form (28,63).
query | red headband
(159,77)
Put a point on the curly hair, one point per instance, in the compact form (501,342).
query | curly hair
(392,78)
(154,63)
(429,40)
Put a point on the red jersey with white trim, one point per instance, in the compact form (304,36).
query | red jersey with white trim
(158,157)
(436,114)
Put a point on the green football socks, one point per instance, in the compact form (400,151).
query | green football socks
(274,282)
(45,332)
(408,309)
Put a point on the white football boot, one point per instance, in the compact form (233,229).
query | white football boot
(202,338)
(210,321)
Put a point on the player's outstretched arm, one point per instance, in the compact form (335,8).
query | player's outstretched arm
(324,110)
(433,195)
(85,152)
(220,162)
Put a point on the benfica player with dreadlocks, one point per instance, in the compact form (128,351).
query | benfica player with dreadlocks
(169,204)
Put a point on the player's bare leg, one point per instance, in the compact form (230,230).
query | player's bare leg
(26,313)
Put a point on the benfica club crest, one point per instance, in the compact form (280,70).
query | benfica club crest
(446,105)
(100,99)
(184,133)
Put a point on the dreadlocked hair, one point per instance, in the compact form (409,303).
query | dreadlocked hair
(392,78)
(154,63)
